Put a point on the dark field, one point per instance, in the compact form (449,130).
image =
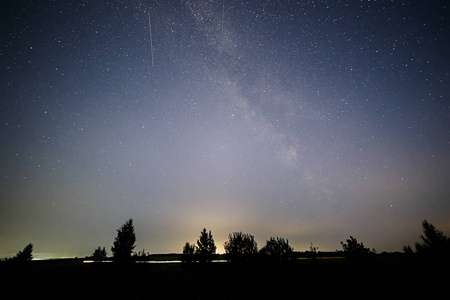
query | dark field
(389,276)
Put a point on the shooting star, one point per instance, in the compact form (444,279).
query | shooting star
(151,42)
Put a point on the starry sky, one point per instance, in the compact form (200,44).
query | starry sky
(308,120)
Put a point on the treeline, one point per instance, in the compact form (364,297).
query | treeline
(242,247)
(239,247)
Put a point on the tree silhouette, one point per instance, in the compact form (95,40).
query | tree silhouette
(355,251)
(240,246)
(99,254)
(188,253)
(25,255)
(124,243)
(206,248)
(277,249)
(434,242)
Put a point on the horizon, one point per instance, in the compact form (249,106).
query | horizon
(68,255)
(307,120)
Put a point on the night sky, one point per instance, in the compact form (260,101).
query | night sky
(308,120)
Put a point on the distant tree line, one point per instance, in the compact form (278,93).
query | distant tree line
(242,247)
(239,247)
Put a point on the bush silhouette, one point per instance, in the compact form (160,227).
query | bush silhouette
(188,253)
(277,249)
(141,256)
(240,246)
(99,254)
(356,252)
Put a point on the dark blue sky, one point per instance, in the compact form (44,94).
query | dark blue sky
(309,120)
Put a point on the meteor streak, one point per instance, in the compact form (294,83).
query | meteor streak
(151,42)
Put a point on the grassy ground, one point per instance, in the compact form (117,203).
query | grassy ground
(383,277)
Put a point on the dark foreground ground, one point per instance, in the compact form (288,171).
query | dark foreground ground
(384,277)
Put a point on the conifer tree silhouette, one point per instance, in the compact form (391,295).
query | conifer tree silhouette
(124,243)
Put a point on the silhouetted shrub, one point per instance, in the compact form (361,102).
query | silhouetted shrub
(99,254)
(356,252)
(206,248)
(240,246)
(188,253)
(277,249)
(141,256)
(124,243)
